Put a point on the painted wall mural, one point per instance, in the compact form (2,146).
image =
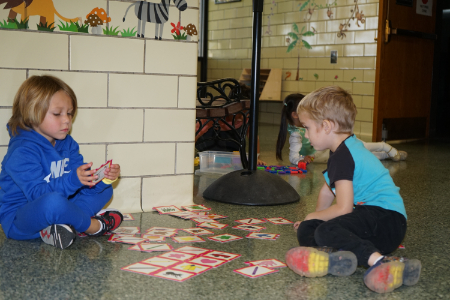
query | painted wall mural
(96,20)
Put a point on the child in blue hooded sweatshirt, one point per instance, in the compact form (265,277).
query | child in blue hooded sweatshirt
(46,190)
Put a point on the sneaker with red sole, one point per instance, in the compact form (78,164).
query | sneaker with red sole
(392,272)
(58,235)
(316,262)
(110,220)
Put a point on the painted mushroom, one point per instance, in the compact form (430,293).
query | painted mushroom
(190,31)
(96,18)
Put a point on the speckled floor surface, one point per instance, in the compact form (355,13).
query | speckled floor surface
(90,269)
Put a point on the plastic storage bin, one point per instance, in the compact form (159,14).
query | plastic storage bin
(219,162)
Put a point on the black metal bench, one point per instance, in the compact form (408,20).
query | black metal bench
(219,101)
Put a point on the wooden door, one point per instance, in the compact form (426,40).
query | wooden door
(404,71)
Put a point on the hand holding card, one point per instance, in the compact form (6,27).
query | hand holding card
(100,172)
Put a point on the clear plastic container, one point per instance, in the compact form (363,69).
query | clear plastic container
(219,162)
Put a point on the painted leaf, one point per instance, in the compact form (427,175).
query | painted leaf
(291,46)
(308,33)
(295,27)
(303,29)
(293,36)
(304,5)
(306,44)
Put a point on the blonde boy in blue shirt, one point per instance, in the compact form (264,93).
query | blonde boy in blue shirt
(367,219)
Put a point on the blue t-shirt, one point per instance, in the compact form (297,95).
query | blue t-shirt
(372,184)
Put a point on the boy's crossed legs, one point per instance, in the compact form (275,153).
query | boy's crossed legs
(367,231)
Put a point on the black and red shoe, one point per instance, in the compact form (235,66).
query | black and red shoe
(110,220)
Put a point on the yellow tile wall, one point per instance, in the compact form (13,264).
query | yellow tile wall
(355,68)
(136,96)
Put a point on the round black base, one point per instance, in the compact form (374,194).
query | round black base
(248,187)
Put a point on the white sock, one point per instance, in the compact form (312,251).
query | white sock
(101,227)
(392,152)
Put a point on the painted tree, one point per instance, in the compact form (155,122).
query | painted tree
(296,40)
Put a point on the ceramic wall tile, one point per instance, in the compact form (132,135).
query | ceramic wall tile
(10,81)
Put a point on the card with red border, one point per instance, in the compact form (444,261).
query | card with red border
(128,217)
(255,271)
(175,275)
(191,268)
(160,261)
(129,240)
(197,231)
(221,255)
(141,268)
(251,221)
(165,210)
(279,221)
(193,250)
(262,236)
(126,230)
(187,239)
(184,214)
(207,261)
(224,238)
(249,227)
(268,263)
(153,238)
(177,256)
(162,229)
(213,225)
(162,233)
(195,207)
(100,171)
(148,247)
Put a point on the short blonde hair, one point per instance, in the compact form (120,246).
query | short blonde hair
(32,101)
(330,103)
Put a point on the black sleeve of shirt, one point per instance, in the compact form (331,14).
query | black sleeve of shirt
(341,165)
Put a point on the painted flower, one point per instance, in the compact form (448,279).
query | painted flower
(176,28)
(336,77)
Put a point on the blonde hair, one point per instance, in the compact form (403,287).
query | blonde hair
(330,103)
(32,101)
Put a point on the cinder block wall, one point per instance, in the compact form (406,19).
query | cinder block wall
(136,97)
(230,49)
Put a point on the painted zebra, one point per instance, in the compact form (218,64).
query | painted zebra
(154,13)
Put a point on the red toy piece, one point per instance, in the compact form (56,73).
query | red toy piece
(302,165)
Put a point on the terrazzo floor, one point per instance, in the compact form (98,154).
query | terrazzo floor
(91,267)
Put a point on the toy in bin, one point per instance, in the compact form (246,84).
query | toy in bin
(219,161)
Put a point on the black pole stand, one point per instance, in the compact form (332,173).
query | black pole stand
(252,186)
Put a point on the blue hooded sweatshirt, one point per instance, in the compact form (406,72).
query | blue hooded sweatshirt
(33,167)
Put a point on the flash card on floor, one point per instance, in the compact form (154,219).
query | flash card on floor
(263,236)
(160,261)
(153,238)
(222,255)
(191,268)
(213,225)
(197,231)
(255,271)
(177,256)
(223,238)
(207,261)
(268,263)
(193,250)
(196,208)
(251,221)
(128,217)
(163,210)
(249,227)
(149,247)
(141,268)
(187,239)
(129,240)
(279,221)
(100,172)
(162,229)
(126,230)
(175,275)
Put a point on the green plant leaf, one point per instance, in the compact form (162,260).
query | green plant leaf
(306,44)
(304,5)
(303,29)
(295,27)
(291,46)
(293,36)
(308,33)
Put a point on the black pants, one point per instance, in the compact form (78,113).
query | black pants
(366,230)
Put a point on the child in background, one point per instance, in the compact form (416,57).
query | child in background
(368,218)
(46,189)
(300,148)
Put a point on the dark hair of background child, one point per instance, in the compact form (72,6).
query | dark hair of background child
(290,105)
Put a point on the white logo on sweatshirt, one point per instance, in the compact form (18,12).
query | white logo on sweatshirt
(57,169)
